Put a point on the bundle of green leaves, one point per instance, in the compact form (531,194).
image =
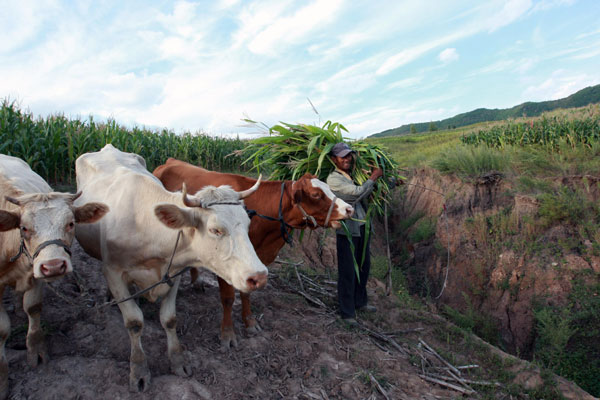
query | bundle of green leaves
(289,151)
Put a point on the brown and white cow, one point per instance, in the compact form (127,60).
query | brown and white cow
(36,231)
(306,196)
(137,240)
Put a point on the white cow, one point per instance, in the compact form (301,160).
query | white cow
(36,231)
(137,239)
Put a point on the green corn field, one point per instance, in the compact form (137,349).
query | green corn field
(581,127)
(51,146)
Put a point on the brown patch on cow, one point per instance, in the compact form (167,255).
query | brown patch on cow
(134,326)
(34,338)
(171,323)
(34,309)
(9,220)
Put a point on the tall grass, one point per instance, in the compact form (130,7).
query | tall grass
(470,162)
(548,131)
(51,145)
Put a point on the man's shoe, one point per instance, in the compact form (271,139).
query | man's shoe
(351,322)
(367,308)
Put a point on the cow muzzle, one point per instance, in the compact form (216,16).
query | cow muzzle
(53,268)
(256,281)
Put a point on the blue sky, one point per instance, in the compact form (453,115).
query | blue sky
(371,65)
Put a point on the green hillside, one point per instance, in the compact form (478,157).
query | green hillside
(581,98)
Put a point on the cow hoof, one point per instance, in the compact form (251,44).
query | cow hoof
(228,340)
(179,367)
(37,355)
(139,379)
(228,343)
(253,329)
(184,371)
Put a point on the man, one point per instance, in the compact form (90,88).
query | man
(352,293)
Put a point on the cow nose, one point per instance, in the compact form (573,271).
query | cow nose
(256,281)
(53,267)
(349,211)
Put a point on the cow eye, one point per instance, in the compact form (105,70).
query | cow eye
(216,232)
(71,225)
(315,195)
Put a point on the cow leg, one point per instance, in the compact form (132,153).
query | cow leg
(133,318)
(36,345)
(227,293)
(168,320)
(247,317)
(4,333)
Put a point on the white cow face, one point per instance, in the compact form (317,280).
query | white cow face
(316,198)
(219,235)
(47,227)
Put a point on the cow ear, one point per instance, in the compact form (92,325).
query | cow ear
(297,192)
(9,220)
(90,212)
(173,216)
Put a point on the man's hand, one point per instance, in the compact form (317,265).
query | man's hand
(376,174)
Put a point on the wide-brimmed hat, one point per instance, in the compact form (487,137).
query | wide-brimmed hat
(341,150)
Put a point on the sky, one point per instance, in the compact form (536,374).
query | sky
(204,66)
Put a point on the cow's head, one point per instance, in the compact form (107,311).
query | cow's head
(218,230)
(47,226)
(316,199)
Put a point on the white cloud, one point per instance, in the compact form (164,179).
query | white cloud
(279,31)
(448,55)
(511,11)
(545,5)
(560,84)
(497,66)
(405,83)
(350,80)
(587,52)
(406,56)
(587,34)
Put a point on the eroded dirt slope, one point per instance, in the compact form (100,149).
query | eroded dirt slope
(302,352)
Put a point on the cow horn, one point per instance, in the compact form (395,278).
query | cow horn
(13,200)
(189,202)
(253,189)
(76,196)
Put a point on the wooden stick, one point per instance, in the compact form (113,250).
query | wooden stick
(446,384)
(289,263)
(388,281)
(378,386)
(469,381)
(311,299)
(386,339)
(298,276)
(405,331)
(456,371)
(468,366)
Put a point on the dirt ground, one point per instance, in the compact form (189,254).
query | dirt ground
(303,351)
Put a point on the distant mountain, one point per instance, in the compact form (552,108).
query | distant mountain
(582,98)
